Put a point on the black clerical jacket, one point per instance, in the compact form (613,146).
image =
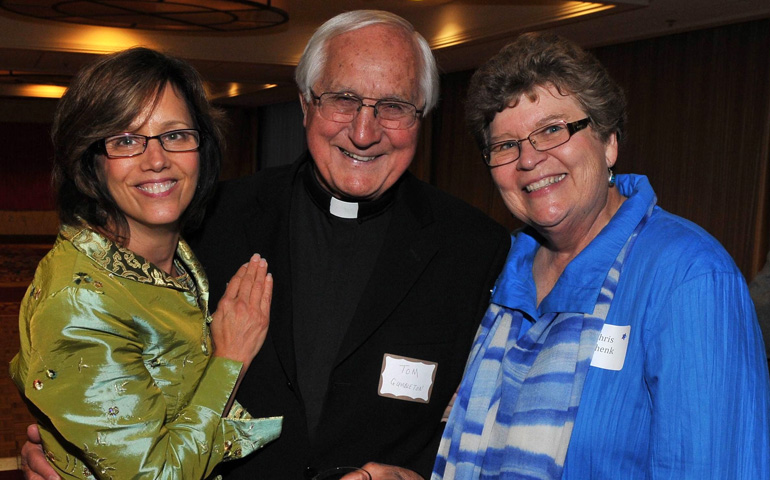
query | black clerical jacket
(425,298)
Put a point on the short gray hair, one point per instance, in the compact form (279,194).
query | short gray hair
(538,59)
(314,57)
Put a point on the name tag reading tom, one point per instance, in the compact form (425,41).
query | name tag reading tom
(610,350)
(407,379)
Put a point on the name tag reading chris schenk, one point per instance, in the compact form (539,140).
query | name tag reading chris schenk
(611,348)
(407,379)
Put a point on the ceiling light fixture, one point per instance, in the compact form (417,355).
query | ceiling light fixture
(174,15)
(31,90)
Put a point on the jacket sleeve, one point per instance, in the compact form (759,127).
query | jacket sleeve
(760,294)
(85,369)
(708,381)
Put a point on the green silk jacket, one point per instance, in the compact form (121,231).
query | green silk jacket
(116,364)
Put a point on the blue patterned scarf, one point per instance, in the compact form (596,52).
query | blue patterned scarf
(537,378)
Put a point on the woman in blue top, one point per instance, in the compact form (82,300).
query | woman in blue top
(621,341)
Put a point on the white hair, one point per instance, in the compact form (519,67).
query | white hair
(314,57)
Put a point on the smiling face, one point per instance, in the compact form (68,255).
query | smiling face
(562,191)
(154,189)
(361,159)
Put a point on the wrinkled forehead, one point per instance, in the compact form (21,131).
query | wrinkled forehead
(376,59)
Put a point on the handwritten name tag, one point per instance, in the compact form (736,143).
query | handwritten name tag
(611,348)
(407,379)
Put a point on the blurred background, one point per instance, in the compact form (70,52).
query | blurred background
(696,73)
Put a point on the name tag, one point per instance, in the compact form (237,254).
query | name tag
(407,379)
(611,348)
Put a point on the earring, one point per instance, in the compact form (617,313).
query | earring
(612,177)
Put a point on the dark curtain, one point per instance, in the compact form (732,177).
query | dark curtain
(281,134)
(26,158)
(240,152)
(699,110)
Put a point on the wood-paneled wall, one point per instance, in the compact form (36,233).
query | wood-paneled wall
(699,128)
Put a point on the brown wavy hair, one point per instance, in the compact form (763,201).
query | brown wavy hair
(104,99)
(540,59)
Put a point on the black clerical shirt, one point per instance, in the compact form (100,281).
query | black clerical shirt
(331,261)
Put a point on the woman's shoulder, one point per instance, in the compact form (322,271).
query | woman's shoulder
(66,271)
(59,263)
(672,242)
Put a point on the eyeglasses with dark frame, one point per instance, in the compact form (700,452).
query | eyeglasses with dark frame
(128,145)
(343,107)
(542,139)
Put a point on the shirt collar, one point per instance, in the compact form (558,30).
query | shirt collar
(579,285)
(344,208)
(126,264)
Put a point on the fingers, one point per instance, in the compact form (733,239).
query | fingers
(33,433)
(34,464)
(357,475)
(379,471)
(248,282)
(240,323)
(235,282)
(256,273)
(267,295)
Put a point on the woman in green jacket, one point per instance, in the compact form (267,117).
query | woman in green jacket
(127,373)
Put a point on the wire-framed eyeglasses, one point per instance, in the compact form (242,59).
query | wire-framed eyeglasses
(343,107)
(542,139)
(132,144)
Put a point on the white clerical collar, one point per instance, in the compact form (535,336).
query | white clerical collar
(342,209)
